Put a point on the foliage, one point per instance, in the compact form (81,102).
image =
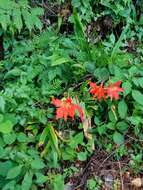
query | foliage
(42,64)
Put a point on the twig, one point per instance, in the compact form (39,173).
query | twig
(112,153)
(135,139)
(121,178)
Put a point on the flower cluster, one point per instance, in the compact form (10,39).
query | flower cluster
(66,108)
(100,92)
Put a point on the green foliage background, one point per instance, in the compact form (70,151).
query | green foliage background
(45,55)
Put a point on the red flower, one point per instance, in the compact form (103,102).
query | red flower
(97,91)
(66,108)
(113,90)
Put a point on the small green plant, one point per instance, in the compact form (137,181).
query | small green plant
(94,184)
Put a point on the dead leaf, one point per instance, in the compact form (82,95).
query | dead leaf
(86,127)
(137,182)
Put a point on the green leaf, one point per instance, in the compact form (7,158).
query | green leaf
(2,104)
(127,87)
(54,139)
(140,81)
(122,109)
(27,19)
(137,96)
(40,178)
(10,185)
(4,20)
(5,167)
(37,164)
(118,138)
(58,181)
(43,136)
(37,11)
(17,20)
(82,156)
(9,138)
(135,120)
(6,127)
(21,137)
(119,42)
(13,73)
(14,172)
(27,181)
(122,126)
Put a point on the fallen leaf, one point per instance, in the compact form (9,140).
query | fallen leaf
(137,182)
(86,127)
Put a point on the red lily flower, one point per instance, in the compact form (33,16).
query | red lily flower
(113,90)
(66,108)
(97,91)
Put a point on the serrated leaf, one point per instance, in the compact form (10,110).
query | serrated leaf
(137,96)
(122,109)
(14,172)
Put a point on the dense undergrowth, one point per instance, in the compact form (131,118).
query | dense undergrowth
(52,54)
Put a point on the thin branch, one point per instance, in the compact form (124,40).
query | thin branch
(121,177)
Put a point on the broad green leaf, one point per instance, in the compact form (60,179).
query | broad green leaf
(5,167)
(6,126)
(10,185)
(122,109)
(40,178)
(118,138)
(9,138)
(137,96)
(27,181)
(140,81)
(5,4)
(82,156)
(135,120)
(37,11)
(111,125)
(58,60)
(58,181)
(122,126)
(127,87)
(14,172)
(37,164)
(21,137)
